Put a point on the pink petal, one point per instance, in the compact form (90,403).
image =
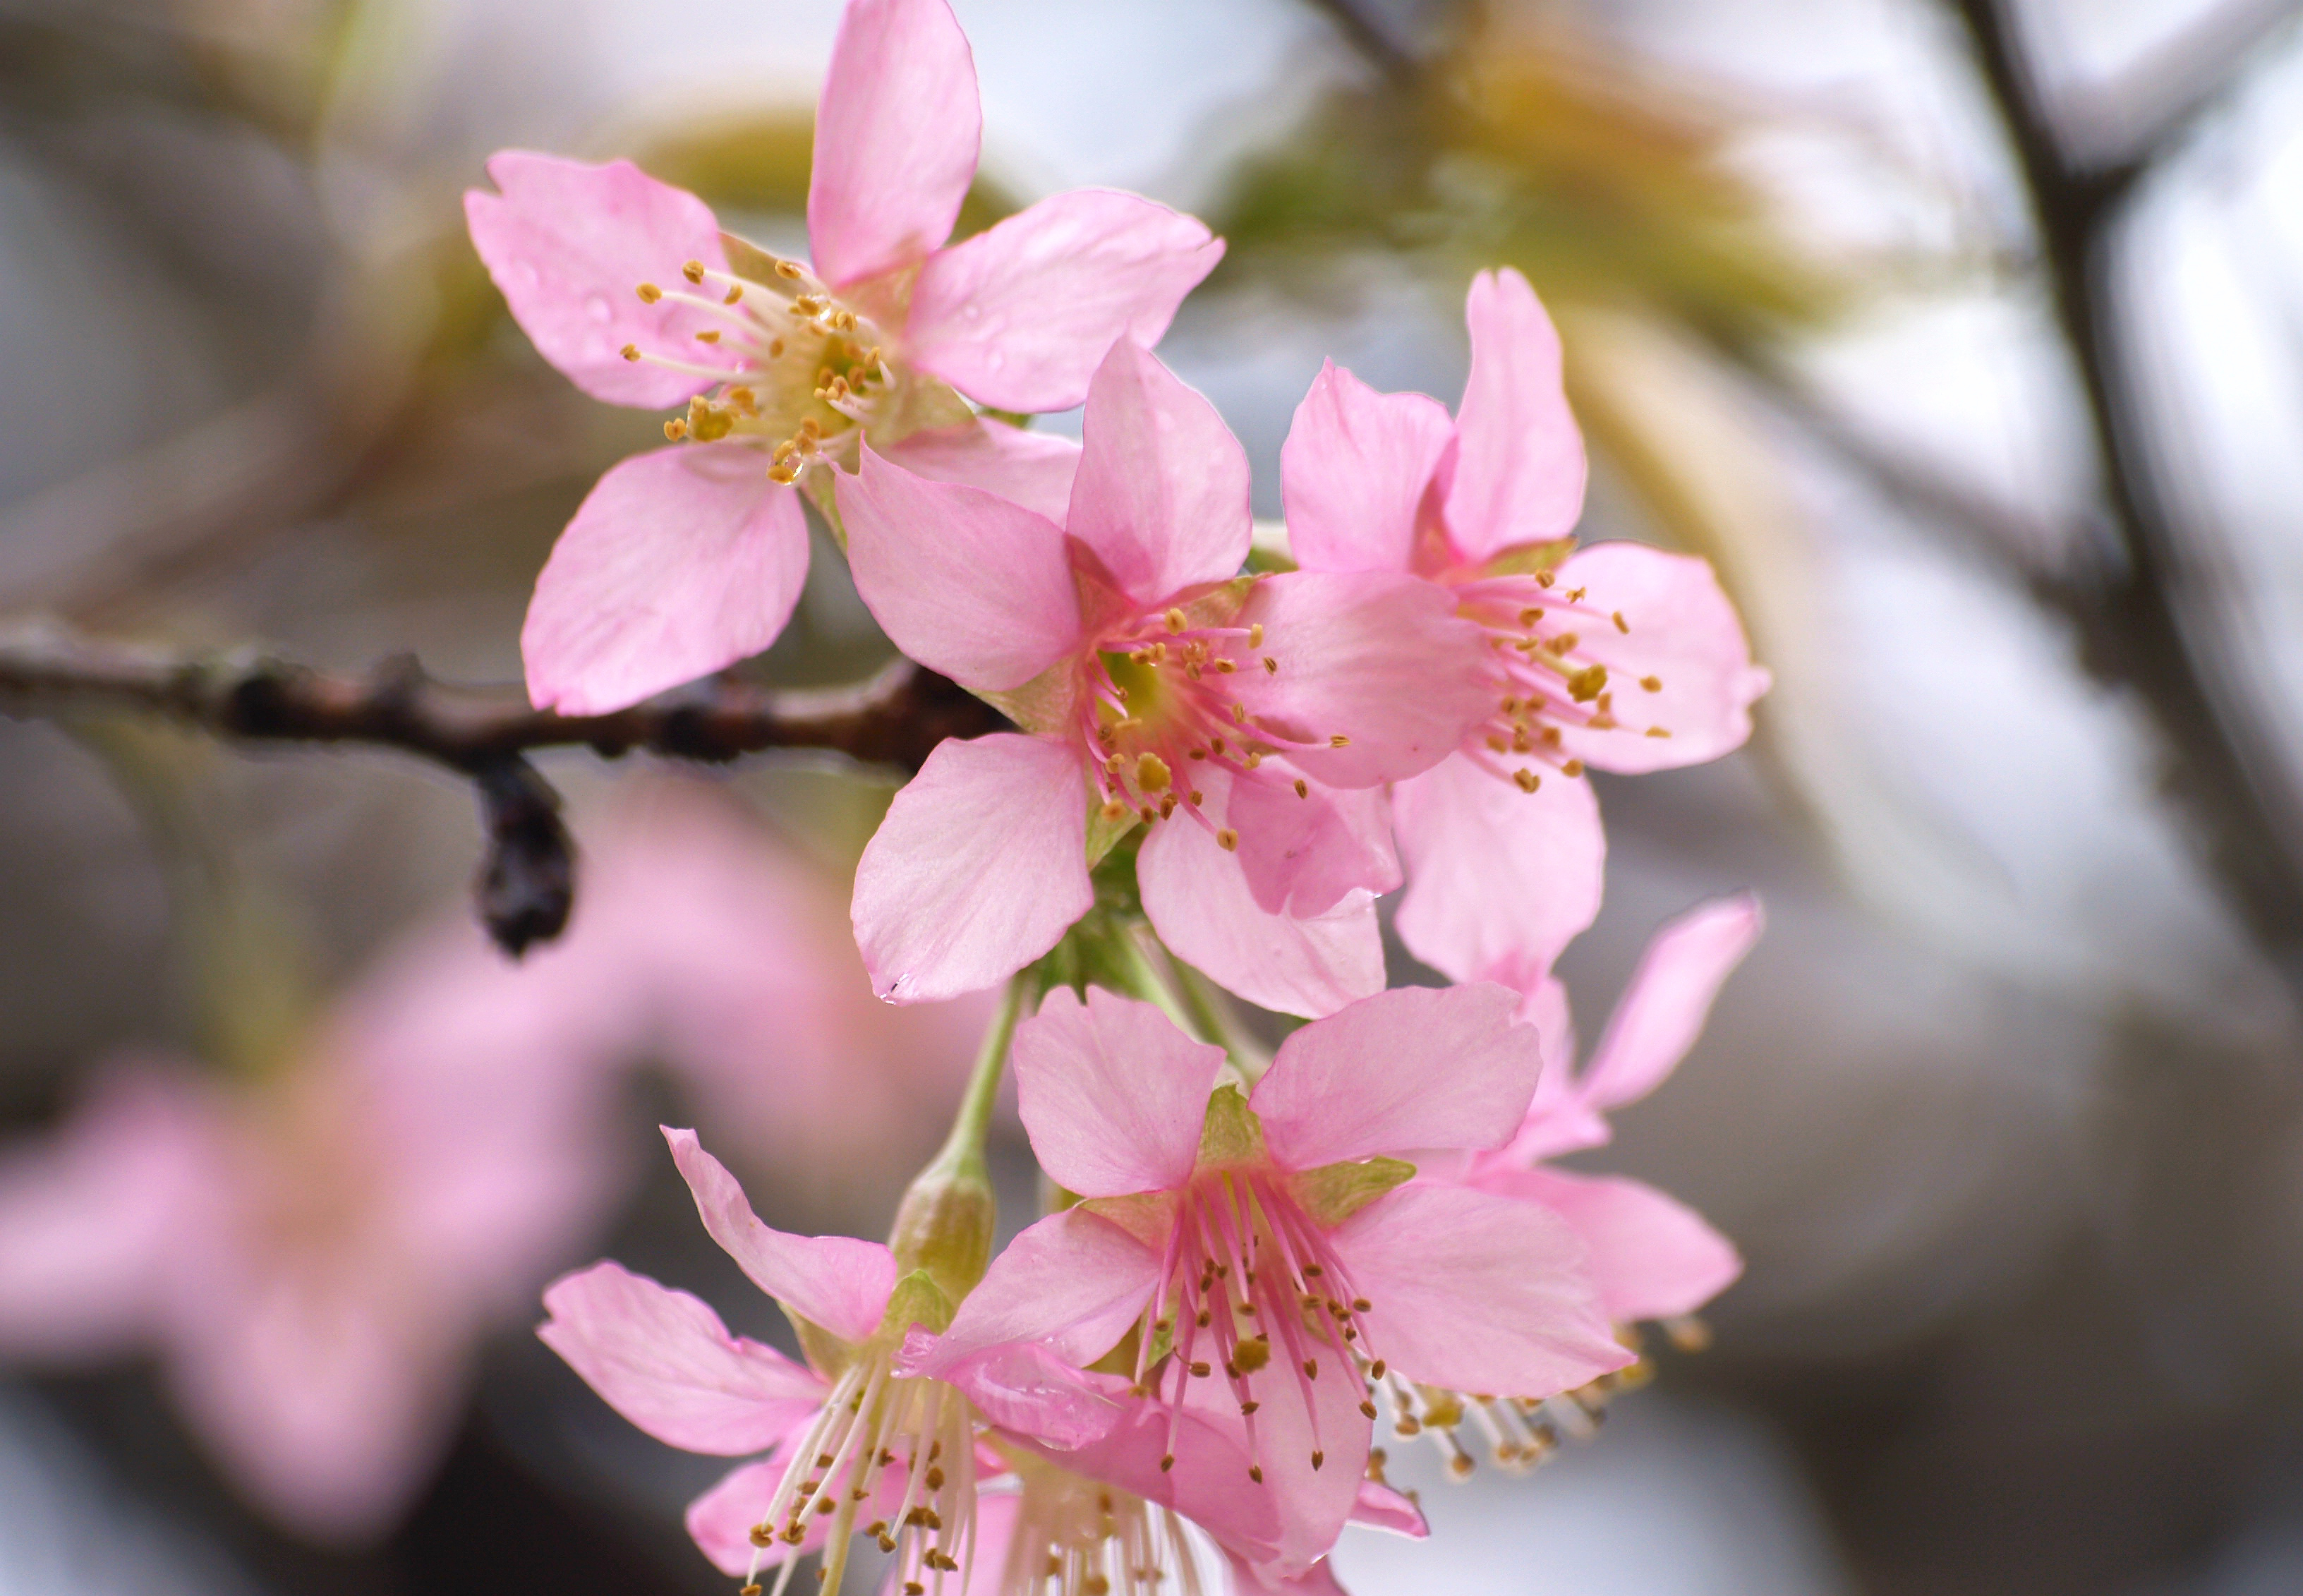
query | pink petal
(1650,1255)
(1023,1387)
(92,1218)
(1380,1507)
(679,563)
(980,868)
(1034,470)
(1355,470)
(664,1361)
(1497,879)
(1073,1280)
(836,1281)
(1198,900)
(1019,317)
(1476,1293)
(1303,854)
(1318,1579)
(1412,1067)
(569,244)
(1685,634)
(895,136)
(1519,469)
(1662,1011)
(1112,1094)
(1377,658)
(1162,492)
(963,580)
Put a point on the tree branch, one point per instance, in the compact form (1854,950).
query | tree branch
(2127,608)
(525,883)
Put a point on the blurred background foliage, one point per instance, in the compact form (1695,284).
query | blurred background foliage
(1961,339)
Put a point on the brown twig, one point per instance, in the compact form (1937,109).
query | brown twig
(2127,607)
(526,882)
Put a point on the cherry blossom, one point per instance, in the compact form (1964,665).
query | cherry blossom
(1616,657)
(1244,724)
(1278,1236)
(684,560)
(855,1444)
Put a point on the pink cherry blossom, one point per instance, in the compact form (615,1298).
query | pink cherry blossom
(1278,1238)
(1649,1255)
(314,1256)
(688,559)
(1616,657)
(1243,722)
(895,1451)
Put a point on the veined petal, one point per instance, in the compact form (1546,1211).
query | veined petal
(836,1281)
(896,132)
(1376,658)
(1198,900)
(964,581)
(1023,1387)
(679,563)
(1498,879)
(1034,470)
(1112,1094)
(1354,469)
(1303,854)
(1019,317)
(978,869)
(665,1362)
(1649,1255)
(1415,1067)
(1162,492)
(1073,1280)
(1685,636)
(1662,1011)
(1519,463)
(1476,1292)
(569,244)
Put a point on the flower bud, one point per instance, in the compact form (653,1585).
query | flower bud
(944,1225)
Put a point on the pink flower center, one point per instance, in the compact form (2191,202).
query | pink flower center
(1534,630)
(809,374)
(1077,1537)
(1252,1289)
(1159,706)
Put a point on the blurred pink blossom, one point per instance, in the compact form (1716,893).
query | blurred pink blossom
(686,559)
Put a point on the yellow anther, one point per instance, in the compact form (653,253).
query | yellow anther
(709,336)
(775,347)
(1255,635)
(1622,625)
(1252,759)
(1544,579)
(1227,840)
(1271,665)
(1531,615)
(1193,798)
(1174,620)
(1497,742)
(1339,741)
(1564,643)
(1115,811)
(784,472)
(649,293)
(1585,685)
(1654,684)
(1520,741)
(735,292)
(1239,714)
(693,271)
(1303,788)
(675,429)
(1574,767)
(1527,779)
(631,352)
(1658,732)
(1226,667)
(1151,773)
(1575,595)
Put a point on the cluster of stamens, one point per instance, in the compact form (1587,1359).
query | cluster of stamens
(1075,1537)
(811,372)
(1160,704)
(1531,630)
(874,1422)
(1250,1287)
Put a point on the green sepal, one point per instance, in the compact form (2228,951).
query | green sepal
(747,259)
(1043,704)
(916,1299)
(1231,1134)
(1104,835)
(820,483)
(1333,1193)
(1532,559)
(827,1353)
(1147,1216)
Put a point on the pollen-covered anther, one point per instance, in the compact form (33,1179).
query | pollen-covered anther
(649,293)
(1227,840)
(1339,741)
(631,352)
(1588,683)
(1528,780)
(1574,767)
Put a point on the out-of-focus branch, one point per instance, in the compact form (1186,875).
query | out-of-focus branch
(2126,606)
(526,882)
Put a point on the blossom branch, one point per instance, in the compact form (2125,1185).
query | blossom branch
(526,882)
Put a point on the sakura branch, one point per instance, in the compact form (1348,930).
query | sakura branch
(525,883)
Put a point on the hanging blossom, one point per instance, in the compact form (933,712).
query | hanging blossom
(1268,1257)
(1244,724)
(1616,657)
(855,1444)
(685,559)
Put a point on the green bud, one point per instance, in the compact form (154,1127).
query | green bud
(944,1225)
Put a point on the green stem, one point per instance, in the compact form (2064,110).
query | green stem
(963,1149)
(1146,981)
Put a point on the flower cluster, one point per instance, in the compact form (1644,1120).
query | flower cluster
(1253,1262)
